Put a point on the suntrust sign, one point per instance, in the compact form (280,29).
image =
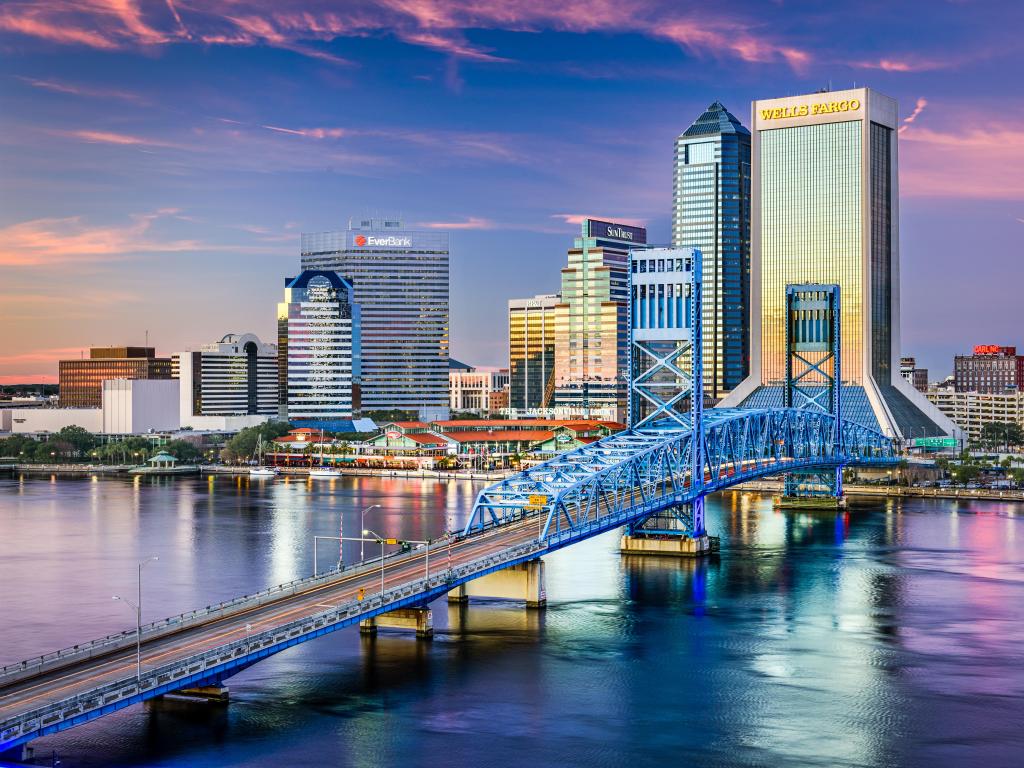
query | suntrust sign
(374,241)
(809,110)
(614,231)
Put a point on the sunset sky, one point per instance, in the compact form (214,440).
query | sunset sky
(158,160)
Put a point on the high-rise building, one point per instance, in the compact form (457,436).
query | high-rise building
(236,376)
(81,381)
(531,351)
(318,350)
(591,322)
(918,377)
(825,210)
(400,281)
(711,212)
(990,369)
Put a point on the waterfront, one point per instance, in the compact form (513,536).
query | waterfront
(888,635)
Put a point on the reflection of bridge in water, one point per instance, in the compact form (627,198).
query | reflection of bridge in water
(659,471)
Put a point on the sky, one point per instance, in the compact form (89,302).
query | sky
(159,159)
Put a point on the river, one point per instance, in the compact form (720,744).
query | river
(892,634)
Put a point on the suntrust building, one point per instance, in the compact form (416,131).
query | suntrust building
(400,282)
(825,210)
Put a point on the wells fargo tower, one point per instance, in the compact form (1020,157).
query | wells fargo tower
(825,209)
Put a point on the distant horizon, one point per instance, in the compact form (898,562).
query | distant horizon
(159,167)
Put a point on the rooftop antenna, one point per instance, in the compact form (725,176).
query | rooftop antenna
(147,339)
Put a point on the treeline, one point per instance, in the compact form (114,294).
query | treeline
(74,444)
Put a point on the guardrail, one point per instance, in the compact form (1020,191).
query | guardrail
(18,671)
(208,664)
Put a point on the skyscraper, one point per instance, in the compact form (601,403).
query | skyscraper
(591,322)
(711,211)
(531,351)
(318,350)
(825,210)
(400,282)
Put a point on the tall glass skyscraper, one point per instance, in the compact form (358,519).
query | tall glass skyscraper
(591,322)
(825,210)
(531,352)
(318,351)
(711,211)
(400,282)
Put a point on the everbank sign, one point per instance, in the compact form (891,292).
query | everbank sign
(391,241)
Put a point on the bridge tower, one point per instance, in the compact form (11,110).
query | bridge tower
(666,384)
(814,383)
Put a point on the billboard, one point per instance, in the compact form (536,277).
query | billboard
(612,231)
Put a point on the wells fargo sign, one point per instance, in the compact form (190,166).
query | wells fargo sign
(805,110)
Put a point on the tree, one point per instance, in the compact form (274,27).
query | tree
(184,451)
(81,440)
(243,445)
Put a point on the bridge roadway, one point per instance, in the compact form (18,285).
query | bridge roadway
(83,676)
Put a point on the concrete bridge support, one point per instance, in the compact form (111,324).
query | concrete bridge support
(677,531)
(206,692)
(419,619)
(517,582)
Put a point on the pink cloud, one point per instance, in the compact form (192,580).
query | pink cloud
(982,163)
(109,137)
(473,222)
(311,133)
(81,90)
(577,218)
(44,242)
(433,24)
(905,65)
(918,109)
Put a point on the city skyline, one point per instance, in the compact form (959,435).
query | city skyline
(159,170)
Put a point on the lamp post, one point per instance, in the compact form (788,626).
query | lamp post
(368,532)
(362,527)
(137,606)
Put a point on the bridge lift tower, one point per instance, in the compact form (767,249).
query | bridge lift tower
(666,384)
(814,383)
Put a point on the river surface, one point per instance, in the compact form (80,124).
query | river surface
(890,635)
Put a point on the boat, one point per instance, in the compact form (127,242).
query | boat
(261,470)
(322,472)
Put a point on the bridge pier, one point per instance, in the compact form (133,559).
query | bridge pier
(812,490)
(676,531)
(518,582)
(419,619)
(216,692)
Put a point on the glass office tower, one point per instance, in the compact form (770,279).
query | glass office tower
(318,351)
(711,212)
(531,352)
(591,323)
(825,210)
(400,279)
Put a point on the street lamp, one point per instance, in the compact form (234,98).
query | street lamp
(383,541)
(362,526)
(137,606)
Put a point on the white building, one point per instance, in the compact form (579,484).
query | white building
(229,384)
(971,411)
(471,390)
(137,406)
(318,350)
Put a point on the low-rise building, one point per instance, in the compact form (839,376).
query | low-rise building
(470,390)
(971,411)
(918,377)
(990,369)
(81,381)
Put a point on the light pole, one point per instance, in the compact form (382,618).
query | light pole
(383,541)
(137,606)
(362,527)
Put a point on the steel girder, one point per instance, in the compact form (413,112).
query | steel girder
(634,474)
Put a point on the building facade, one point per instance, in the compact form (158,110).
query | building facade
(236,376)
(531,351)
(825,210)
(990,369)
(400,279)
(591,323)
(81,381)
(918,377)
(971,411)
(318,350)
(471,390)
(711,212)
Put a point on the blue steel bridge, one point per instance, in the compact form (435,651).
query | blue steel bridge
(662,465)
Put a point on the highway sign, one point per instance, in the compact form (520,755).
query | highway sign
(936,442)
(537,500)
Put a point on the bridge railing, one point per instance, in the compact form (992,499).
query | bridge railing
(239,653)
(12,673)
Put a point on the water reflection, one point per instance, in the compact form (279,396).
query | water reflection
(887,634)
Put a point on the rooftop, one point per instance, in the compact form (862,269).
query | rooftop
(716,120)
